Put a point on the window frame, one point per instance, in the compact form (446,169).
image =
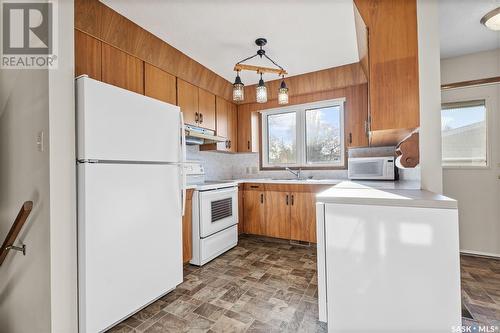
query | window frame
(465,101)
(300,135)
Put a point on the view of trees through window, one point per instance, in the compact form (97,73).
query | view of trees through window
(463,128)
(306,135)
(323,135)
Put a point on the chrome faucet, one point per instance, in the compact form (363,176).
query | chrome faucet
(296,174)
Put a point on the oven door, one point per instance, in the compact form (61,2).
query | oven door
(218,210)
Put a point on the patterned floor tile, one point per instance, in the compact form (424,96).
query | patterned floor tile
(266,285)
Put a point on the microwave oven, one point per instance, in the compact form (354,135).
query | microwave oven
(371,168)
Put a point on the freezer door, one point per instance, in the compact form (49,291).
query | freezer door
(129,239)
(117,124)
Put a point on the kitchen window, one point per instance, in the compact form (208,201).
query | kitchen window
(464,134)
(305,135)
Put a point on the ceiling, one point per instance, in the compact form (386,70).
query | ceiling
(303,36)
(460,30)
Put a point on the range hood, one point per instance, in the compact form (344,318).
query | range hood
(199,136)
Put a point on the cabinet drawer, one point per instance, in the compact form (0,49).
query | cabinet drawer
(253,187)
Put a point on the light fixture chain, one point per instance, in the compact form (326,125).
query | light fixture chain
(239,62)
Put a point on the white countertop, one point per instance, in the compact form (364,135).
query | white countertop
(362,194)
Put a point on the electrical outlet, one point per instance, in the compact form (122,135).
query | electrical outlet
(39,141)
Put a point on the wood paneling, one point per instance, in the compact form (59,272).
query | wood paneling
(187,99)
(313,82)
(87,56)
(253,205)
(159,84)
(362,38)
(122,70)
(479,82)
(393,65)
(187,241)
(241,213)
(206,108)
(103,23)
(303,216)
(277,214)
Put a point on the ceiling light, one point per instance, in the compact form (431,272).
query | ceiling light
(261,90)
(492,19)
(238,89)
(283,93)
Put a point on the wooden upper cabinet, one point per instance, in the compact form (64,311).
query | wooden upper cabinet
(356,116)
(122,70)
(277,214)
(159,84)
(303,216)
(232,127)
(187,100)
(393,68)
(248,129)
(206,108)
(87,55)
(222,110)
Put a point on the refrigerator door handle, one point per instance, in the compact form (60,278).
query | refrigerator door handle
(181,166)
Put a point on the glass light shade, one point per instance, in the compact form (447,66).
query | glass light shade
(238,92)
(283,96)
(492,19)
(261,94)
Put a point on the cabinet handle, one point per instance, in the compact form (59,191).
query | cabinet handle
(248,145)
(196,117)
(262,198)
(350,138)
(201,118)
(254,186)
(229,142)
(292,199)
(286,200)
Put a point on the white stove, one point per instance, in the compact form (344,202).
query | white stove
(215,215)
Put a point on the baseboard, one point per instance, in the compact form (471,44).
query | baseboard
(481,254)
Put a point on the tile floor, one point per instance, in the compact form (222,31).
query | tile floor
(266,285)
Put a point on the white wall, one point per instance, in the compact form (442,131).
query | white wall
(477,190)
(430,99)
(38,291)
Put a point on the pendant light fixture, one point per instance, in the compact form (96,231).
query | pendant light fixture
(283,93)
(492,19)
(238,89)
(261,89)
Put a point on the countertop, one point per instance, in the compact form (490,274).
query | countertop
(361,194)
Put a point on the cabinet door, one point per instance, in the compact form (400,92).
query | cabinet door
(248,129)
(277,214)
(206,108)
(187,99)
(356,116)
(303,216)
(87,55)
(122,70)
(253,205)
(232,127)
(187,227)
(221,115)
(159,84)
(241,215)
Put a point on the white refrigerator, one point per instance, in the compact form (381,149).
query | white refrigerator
(130,154)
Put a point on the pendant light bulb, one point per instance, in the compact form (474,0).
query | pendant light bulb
(283,93)
(238,89)
(261,91)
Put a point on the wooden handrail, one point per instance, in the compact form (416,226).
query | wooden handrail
(18,224)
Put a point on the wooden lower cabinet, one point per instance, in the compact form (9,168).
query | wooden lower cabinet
(187,228)
(303,216)
(253,205)
(241,220)
(281,211)
(277,214)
